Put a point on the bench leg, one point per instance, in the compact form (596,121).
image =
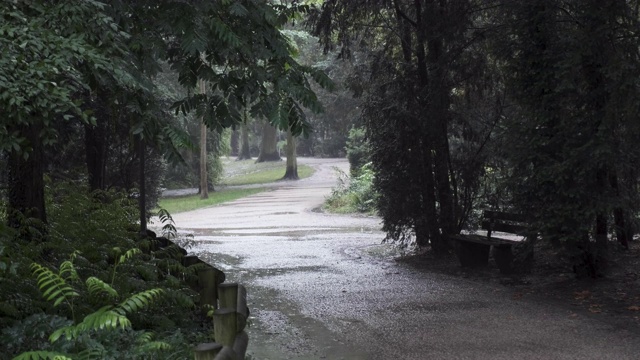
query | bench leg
(503,257)
(472,255)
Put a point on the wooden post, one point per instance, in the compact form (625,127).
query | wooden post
(209,286)
(225,326)
(227,353)
(241,343)
(191,260)
(234,296)
(207,351)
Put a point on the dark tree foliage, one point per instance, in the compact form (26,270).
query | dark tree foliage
(572,69)
(424,75)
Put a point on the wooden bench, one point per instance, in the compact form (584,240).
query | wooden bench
(473,250)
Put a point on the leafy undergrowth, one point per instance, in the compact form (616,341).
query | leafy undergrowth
(353,194)
(191,202)
(248,172)
(86,286)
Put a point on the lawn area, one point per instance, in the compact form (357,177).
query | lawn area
(192,202)
(247,172)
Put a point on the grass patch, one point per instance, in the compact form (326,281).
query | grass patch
(248,173)
(192,202)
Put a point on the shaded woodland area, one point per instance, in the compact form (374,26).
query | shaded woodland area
(528,107)
(451,107)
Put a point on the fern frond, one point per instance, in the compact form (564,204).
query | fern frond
(153,346)
(37,355)
(104,318)
(97,286)
(128,255)
(53,286)
(138,301)
(68,270)
(180,299)
(90,354)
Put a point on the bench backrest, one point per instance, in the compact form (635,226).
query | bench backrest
(505,222)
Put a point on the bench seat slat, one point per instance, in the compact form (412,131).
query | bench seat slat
(480,239)
(508,228)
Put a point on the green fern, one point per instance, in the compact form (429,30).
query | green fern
(97,287)
(105,318)
(147,344)
(37,355)
(109,317)
(138,301)
(53,286)
(128,255)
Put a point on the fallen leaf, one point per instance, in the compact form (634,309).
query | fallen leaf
(595,308)
(581,295)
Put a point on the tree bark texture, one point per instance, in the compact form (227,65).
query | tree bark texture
(292,162)
(234,142)
(269,146)
(26,182)
(142,199)
(245,151)
(95,139)
(204,186)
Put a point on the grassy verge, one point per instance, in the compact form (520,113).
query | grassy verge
(192,202)
(263,175)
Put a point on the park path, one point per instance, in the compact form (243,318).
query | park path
(322,286)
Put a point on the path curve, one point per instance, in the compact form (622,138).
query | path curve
(322,286)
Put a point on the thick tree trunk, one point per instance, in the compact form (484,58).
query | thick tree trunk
(95,139)
(438,113)
(234,143)
(204,186)
(619,217)
(142,199)
(26,182)
(269,146)
(292,161)
(245,151)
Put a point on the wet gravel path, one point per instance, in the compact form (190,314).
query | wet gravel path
(322,286)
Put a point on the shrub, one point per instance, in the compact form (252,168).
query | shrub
(354,193)
(358,150)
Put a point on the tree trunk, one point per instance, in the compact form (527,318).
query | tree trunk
(245,151)
(204,185)
(142,199)
(95,139)
(269,146)
(26,182)
(234,143)
(292,161)
(619,217)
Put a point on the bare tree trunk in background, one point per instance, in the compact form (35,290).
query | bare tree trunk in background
(292,161)
(142,199)
(269,146)
(235,143)
(245,151)
(204,188)
(26,182)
